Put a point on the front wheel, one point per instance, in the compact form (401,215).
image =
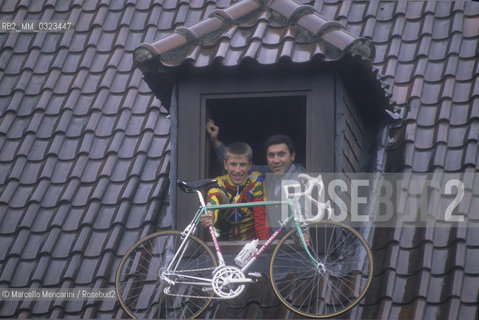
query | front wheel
(142,288)
(334,282)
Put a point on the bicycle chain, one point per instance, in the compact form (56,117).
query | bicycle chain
(190,296)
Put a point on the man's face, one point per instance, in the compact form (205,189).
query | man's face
(237,168)
(279,158)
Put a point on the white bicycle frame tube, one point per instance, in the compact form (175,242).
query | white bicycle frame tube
(204,208)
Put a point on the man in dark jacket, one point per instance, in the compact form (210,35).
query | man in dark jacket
(280,152)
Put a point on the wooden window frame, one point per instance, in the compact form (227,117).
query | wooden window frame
(195,89)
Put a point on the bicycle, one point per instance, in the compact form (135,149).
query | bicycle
(319,275)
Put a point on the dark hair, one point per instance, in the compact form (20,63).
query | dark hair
(238,149)
(278,139)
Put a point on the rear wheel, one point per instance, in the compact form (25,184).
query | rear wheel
(333,284)
(142,291)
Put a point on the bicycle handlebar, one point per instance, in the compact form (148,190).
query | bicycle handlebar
(310,183)
(323,207)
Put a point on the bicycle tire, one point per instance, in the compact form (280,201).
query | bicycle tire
(140,289)
(311,290)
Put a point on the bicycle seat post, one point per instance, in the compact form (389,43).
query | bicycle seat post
(200,196)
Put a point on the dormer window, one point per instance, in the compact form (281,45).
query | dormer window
(236,68)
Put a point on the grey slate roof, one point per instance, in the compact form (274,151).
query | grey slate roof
(84,145)
(427,53)
(84,151)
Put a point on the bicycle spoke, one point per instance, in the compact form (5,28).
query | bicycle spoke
(333,285)
(140,288)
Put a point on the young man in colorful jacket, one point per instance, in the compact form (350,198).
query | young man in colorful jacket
(280,156)
(239,185)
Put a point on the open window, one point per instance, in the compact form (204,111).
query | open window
(253,120)
(251,106)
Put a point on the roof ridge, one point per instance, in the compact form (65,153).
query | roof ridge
(332,33)
(330,38)
(218,21)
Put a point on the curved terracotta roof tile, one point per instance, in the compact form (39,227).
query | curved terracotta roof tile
(176,48)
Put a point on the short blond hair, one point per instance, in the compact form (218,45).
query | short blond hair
(238,149)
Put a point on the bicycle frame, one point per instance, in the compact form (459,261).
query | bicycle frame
(330,276)
(203,209)
(292,216)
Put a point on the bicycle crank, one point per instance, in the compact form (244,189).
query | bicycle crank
(229,282)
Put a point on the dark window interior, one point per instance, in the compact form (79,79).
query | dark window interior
(254,119)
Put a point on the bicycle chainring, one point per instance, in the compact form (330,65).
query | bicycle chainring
(222,282)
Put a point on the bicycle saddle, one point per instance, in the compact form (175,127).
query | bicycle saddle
(193,185)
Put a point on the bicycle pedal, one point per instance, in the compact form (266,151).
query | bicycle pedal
(207,289)
(254,274)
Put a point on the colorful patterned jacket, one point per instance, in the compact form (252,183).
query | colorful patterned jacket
(239,223)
